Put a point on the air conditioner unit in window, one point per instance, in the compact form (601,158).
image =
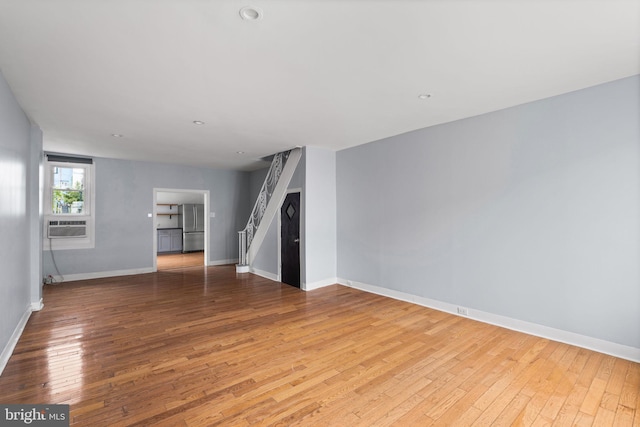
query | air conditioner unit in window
(66,229)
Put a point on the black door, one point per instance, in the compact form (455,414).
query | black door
(290,239)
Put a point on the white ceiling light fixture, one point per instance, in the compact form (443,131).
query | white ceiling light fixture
(250,13)
(424,96)
(198,122)
(117,135)
(239,152)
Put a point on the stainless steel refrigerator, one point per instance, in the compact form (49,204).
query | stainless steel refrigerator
(192,220)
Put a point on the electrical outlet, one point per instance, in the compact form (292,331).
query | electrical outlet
(463,311)
(47,280)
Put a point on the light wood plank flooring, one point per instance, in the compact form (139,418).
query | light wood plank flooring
(173,261)
(204,346)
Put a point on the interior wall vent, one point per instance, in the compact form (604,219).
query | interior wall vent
(66,229)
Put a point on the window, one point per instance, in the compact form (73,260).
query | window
(69,203)
(68,192)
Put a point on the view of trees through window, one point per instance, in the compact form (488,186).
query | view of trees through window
(68,190)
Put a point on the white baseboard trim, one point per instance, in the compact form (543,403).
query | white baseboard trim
(37,305)
(222,262)
(303,286)
(102,274)
(614,349)
(265,274)
(129,272)
(319,284)
(13,341)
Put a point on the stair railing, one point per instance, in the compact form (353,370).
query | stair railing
(245,237)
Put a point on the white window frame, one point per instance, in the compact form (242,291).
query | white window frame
(88,208)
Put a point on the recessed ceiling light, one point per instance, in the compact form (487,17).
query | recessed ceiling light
(424,96)
(117,135)
(198,122)
(249,13)
(239,152)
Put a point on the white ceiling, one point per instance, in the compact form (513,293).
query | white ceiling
(329,73)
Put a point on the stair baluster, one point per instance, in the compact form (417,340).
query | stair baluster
(245,237)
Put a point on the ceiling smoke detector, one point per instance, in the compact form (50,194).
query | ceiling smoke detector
(249,13)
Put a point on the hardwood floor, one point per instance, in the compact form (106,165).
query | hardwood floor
(173,261)
(204,346)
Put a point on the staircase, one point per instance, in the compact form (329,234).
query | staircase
(272,193)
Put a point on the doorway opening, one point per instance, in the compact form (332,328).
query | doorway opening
(180,228)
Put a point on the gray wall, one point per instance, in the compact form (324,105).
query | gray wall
(124,197)
(531,212)
(267,258)
(20,145)
(256,179)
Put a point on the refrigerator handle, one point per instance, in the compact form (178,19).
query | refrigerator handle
(195,217)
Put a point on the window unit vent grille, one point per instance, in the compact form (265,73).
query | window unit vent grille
(66,229)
